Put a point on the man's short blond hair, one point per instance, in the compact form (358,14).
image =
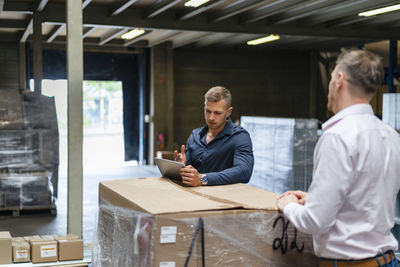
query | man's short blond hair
(217,93)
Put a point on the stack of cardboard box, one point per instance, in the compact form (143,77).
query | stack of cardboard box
(39,249)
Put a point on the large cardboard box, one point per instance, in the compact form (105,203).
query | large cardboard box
(5,248)
(155,222)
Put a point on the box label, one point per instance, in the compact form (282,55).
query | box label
(167,264)
(168,234)
(21,254)
(48,251)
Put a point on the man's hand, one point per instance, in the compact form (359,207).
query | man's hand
(180,156)
(190,176)
(301,196)
(283,201)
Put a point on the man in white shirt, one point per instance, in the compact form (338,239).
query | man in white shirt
(349,208)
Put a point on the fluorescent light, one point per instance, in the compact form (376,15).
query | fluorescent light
(195,3)
(379,11)
(268,38)
(132,34)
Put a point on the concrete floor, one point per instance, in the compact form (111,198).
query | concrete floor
(41,224)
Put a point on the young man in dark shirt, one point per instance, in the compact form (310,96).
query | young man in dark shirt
(219,152)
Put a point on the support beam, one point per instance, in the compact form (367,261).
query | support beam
(188,38)
(97,16)
(312,97)
(236,8)
(42,5)
(166,36)
(111,35)
(55,32)
(137,39)
(22,67)
(202,9)
(213,38)
(75,116)
(27,31)
(162,95)
(271,9)
(37,52)
(85,3)
(305,10)
(123,7)
(343,9)
(161,7)
(87,31)
(392,65)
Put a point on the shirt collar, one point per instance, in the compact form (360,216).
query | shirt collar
(351,110)
(228,129)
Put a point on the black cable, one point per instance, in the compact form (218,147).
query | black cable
(199,227)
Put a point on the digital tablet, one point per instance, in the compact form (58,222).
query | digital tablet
(169,168)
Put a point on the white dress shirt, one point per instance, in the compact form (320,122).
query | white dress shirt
(356,177)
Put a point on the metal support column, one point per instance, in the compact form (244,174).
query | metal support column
(75,116)
(171,94)
(37,52)
(392,65)
(22,67)
(312,104)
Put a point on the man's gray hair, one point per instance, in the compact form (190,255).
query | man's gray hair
(217,93)
(364,70)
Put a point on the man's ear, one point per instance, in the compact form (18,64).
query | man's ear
(340,79)
(229,111)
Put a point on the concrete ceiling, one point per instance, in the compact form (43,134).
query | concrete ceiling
(302,24)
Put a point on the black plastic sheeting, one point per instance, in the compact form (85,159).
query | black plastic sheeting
(107,67)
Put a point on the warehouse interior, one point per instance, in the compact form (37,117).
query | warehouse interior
(162,75)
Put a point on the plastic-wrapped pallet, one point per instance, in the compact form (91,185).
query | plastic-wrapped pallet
(391,110)
(22,190)
(283,152)
(11,112)
(29,150)
(152,222)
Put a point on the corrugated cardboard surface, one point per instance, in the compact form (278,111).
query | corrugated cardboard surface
(5,248)
(42,249)
(71,249)
(21,251)
(161,196)
(241,226)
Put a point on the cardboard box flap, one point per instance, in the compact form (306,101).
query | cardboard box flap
(158,196)
(247,196)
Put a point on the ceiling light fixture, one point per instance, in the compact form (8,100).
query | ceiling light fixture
(379,11)
(268,38)
(132,34)
(195,3)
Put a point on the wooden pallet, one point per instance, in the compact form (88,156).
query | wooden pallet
(14,211)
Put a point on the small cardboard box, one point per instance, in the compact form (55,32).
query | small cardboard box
(70,249)
(5,248)
(44,251)
(21,251)
(156,223)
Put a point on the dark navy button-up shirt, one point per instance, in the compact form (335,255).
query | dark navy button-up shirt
(227,159)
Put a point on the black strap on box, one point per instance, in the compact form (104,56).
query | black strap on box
(199,228)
